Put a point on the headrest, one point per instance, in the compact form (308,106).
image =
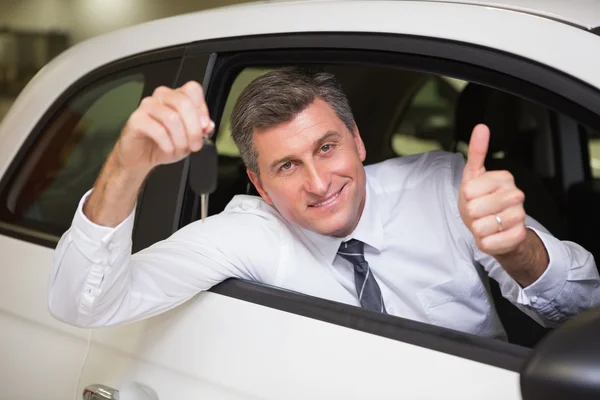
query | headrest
(500,111)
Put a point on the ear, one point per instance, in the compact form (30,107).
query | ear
(360,146)
(258,185)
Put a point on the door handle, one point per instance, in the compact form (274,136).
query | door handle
(100,392)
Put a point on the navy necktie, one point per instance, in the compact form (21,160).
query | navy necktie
(369,293)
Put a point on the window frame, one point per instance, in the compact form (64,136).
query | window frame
(507,72)
(119,68)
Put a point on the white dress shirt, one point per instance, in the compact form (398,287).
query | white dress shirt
(422,255)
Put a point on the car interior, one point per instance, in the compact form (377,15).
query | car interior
(401,112)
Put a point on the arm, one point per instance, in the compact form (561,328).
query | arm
(164,129)
(98,282)
(92,272)
(569,285)
(549,279)
(528,261)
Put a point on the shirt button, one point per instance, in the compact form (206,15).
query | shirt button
(534,299)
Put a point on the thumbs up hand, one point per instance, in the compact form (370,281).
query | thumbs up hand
(490,204)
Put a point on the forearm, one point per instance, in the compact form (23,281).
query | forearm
(526,264)
(555,285)
(115,193)
(97,282)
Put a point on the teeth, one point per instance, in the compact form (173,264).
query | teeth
(328,201)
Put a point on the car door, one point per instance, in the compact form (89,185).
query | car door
(59,161)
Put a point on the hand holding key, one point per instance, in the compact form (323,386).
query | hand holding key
(165,128)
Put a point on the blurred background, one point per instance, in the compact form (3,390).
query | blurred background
(32,32)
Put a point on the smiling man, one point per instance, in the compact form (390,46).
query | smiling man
(413,236)
(318,182)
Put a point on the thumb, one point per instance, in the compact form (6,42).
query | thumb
(478,148)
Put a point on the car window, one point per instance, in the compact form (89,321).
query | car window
(402,112)
(428,121)
(594,152)
(68,154)
(224,142)
(405,112)
(232,178)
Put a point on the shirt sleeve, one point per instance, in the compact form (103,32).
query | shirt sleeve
(570,284)
(96,281)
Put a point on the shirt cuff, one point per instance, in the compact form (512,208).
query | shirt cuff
(547,287)
(98,241)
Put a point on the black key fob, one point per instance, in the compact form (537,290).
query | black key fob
(204,169)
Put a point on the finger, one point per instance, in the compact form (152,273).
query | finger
(488,225)
(147,126)
(183,105)
(487,183)
(186,109)
(495,202)
(173,124)
(503,242)
(195,92)
(478,148)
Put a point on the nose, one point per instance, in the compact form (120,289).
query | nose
(317,181)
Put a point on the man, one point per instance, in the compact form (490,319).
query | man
(404,237)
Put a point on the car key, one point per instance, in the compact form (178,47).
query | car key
(203,174)
(203,206)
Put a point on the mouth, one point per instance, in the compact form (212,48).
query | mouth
(327,201)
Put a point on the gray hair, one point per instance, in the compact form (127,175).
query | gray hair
(277,97)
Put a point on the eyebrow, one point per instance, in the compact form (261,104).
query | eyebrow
(316,144)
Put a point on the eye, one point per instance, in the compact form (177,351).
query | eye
(286,166)
(325,148)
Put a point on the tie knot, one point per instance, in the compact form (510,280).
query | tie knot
(353,250)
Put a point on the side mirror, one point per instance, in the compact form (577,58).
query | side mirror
(100,392)
(566,363)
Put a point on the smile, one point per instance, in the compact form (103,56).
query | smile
(328,201)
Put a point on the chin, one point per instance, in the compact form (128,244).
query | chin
(333,228)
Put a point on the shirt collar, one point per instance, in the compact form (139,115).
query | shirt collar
(369,231)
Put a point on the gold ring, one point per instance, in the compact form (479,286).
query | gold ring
(499,221)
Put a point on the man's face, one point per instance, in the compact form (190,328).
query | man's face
(311,170)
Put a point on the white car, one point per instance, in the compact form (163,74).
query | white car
(418,74)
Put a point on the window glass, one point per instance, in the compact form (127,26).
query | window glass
(232,178)
(66,160)
(594,151)
(224,142)
(428,121)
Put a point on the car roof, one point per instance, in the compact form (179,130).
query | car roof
(514,32)
(582,13)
